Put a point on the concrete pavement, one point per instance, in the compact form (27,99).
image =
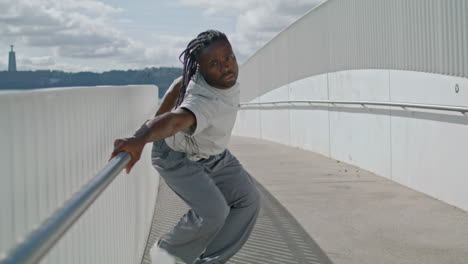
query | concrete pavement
(354,215)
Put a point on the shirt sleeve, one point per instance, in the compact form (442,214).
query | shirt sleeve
(202,108)
(173,84)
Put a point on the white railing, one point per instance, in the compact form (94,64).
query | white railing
(53,142)
(460,109)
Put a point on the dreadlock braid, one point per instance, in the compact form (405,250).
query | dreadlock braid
(189,57)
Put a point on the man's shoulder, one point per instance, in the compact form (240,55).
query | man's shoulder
(198,90)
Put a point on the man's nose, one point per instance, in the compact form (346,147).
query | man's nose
(224,67)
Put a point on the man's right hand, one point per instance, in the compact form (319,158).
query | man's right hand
(133,145)
(155,129)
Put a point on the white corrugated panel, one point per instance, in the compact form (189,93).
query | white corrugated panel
(418,35)
(53,142)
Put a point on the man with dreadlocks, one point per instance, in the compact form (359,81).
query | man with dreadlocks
(190,134)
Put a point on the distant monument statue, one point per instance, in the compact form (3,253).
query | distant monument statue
(12,61)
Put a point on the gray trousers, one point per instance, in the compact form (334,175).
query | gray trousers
(223,199)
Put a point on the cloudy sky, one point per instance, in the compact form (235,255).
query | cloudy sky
(92,35)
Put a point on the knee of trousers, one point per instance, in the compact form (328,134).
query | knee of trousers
(251,200)
(215,219)
(256,201)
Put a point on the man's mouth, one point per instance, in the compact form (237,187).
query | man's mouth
(229,77)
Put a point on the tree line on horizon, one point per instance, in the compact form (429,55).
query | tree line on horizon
(162,77)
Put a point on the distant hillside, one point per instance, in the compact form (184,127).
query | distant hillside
(162,77)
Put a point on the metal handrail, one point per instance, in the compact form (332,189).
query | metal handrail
(363,103)
(41,240)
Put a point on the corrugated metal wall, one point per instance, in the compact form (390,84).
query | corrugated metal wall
(53,141)
(416,35)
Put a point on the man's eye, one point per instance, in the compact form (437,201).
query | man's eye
(214,64)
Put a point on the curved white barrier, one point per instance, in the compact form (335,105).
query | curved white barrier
(422,149)
(339,35)
(53,142)
(370,50)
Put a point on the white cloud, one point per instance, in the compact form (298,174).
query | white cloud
(223,5)
(90,6)
(261,24)
(49,63)
(74,29)
(24,63)
(170,47)
(257,21)
(37,61)
(83,31)
(212,6)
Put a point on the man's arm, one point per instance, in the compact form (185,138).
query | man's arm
(170,98)
(166,125)
(168,102)
(160,127)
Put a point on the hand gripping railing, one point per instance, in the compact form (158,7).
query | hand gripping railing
(463,110)
(40,241)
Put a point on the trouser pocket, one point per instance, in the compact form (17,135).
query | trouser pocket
(164,158)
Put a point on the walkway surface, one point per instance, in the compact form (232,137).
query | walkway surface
(276,239)
(346,215)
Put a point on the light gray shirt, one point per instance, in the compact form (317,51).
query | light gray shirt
(215,111)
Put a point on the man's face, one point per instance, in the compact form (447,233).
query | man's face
(218,65)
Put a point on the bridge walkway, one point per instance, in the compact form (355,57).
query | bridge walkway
(318,210)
